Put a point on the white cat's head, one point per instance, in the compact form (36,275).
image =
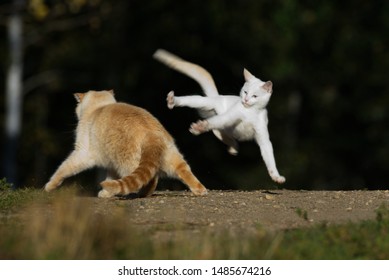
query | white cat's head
(255,93)
(92,100)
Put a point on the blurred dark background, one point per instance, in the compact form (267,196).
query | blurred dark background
(328,60)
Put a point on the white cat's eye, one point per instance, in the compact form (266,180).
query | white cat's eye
(255,96)
(245,92)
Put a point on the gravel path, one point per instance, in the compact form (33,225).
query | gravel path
(273,210)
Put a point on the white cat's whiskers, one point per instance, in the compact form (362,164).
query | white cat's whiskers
(231,118)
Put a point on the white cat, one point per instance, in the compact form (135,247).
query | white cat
(232,118)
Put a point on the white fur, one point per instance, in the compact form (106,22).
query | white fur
(231,118)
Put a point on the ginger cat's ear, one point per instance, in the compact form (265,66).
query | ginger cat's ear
(247,75)
(79,96)
(111,92)
(268,86)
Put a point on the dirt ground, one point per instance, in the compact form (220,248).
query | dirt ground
(246,210)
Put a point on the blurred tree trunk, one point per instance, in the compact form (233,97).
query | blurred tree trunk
(16,86)
(14,91)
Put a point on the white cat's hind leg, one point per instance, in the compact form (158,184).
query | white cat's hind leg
(228,140)
(232,151)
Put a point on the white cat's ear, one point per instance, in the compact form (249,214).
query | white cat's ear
(79,96)
(268,86)
(111,92)
(247,75)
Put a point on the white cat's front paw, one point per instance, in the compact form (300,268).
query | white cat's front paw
(170,100)
(279,179)
(199,127)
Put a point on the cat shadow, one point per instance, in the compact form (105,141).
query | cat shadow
(271,192)
(163,193)
(128,196)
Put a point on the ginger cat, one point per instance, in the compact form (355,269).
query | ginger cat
(126,140)
(231,118)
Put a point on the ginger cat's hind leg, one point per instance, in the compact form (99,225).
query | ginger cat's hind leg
(149,188)
(176,166)
(185,174)
(112,175)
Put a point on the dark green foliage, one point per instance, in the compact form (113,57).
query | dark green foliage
(4,185)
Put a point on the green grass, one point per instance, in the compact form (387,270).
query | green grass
(10,199)
(60,227)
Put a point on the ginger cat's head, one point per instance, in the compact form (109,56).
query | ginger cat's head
(92,100)
(255,93)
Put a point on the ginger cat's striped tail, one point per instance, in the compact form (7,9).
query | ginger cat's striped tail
(196,72)
(144,178)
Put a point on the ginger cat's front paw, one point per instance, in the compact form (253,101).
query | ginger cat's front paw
(170,100)
(199,127)
(50,186)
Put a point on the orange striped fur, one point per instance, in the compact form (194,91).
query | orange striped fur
(127,141)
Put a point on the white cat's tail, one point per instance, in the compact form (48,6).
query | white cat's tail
(194,71)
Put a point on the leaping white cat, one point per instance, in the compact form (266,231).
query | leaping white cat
(232,118)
